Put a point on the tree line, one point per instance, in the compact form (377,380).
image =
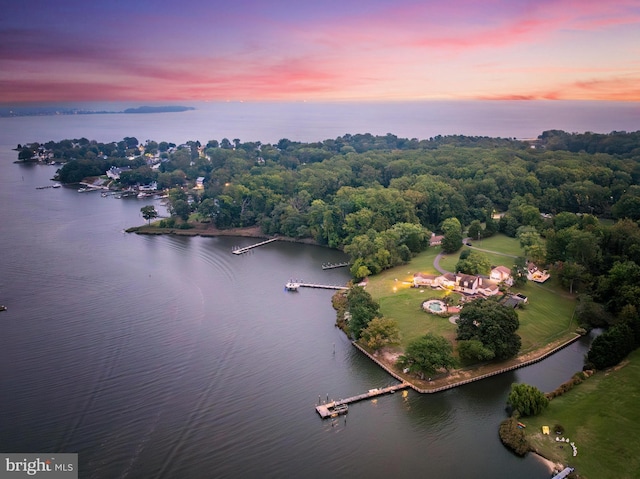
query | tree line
(379,198)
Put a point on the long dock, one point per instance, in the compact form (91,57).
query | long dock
(294,285)
(247,248)
(335,265)
(325,410)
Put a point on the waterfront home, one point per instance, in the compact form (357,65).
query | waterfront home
(115,171)
(502,274)
(461,283)
(423,279)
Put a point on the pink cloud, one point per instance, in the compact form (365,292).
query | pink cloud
(399,49)
(611,89)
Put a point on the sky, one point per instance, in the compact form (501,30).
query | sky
(329,50)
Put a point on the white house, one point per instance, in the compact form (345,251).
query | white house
(423,279)
(502,274)
(461,283)
(115,171)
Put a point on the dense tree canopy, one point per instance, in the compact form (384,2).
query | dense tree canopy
(379,197)
(362,308)
(427,355)
(379,333)
(493,324)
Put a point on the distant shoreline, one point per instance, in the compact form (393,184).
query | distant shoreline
(19,111)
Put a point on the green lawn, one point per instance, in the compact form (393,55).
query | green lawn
(498,243)
(546,318)
(602,417)
(501,243)
(405,306)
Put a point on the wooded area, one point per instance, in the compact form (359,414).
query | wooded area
(379,198)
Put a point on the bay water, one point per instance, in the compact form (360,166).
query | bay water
(171,357)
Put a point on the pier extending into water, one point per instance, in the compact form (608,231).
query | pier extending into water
(564,473)
(247,248)
(294,285)
(335,265)
(326,410)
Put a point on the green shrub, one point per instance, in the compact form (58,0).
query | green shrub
(167,223)
(514,437)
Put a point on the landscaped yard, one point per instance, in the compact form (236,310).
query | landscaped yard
(547,316)
(601,416)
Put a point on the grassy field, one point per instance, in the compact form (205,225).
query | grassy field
(601,416)
(547,316)
(501,243)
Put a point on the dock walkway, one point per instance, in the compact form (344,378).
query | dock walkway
(325,410)
(564,473)
(335,265)
(294,285)
(247,248)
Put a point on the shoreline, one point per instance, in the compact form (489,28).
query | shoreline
(453,379)
(206,230)
(460,377)
(553,466)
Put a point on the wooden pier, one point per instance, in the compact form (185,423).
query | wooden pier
(326,410)
(247,248)
(295,285)
(564,473)
(334,265)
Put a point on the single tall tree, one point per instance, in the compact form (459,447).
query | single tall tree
(452,230)
(149,212)
(527,400)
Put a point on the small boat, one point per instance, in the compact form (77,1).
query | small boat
(339,410)
(56,185)
(3,307)
(292,286)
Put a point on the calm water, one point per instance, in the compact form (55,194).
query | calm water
(308,122)
(171,357)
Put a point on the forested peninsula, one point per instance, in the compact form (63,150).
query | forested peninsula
(554,218)
(570,201)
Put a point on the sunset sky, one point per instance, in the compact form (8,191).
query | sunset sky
(79,50)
